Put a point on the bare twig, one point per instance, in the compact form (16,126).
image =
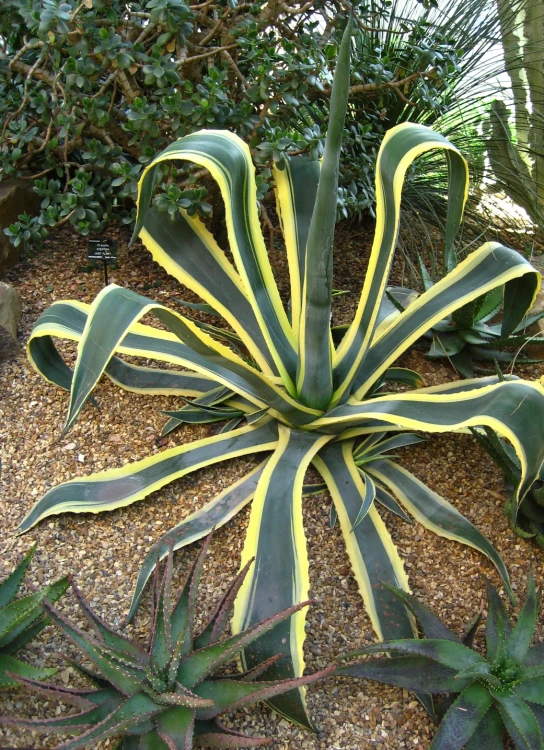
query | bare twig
(211,51)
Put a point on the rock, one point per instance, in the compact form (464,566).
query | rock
(536,350)
(16,197)
(10,317)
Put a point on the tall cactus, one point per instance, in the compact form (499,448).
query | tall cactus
(517,158)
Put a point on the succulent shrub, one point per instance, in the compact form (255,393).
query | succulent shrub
(527,519)
(90,92)
(20,620)
(470,334)
(166,696)
(290,393)
(482,696)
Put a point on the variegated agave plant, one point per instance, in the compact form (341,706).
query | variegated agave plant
(165,697)
(292,394)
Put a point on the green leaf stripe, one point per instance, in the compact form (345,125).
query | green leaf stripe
(213,515)
(489,266)
(514,409)
(296,187)
(434,512)
(373,556)
(113,313)
(186,249)
(119,487)
(228,159)
(276,539)
(399,148)
(314,373)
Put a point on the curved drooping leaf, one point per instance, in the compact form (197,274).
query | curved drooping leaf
(275,537)
(509,407)
(373,556)
(116,310)
(434,512)
(484,269)
(197,525)
(116,488)
(228,159)
(399,148)
(189,252)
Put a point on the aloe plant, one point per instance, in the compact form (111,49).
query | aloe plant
(20,620)
(470,334)
(288,391)
(165,696)
(485,695)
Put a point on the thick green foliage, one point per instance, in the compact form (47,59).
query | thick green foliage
(91,91)
(505,690)
(164,697)
(20,620)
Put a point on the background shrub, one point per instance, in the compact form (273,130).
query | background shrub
(91,90)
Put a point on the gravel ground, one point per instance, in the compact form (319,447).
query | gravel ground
(104,552)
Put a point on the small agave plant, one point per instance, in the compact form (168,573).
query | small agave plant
(20,620)
(165,696)
(470,333)
(486,696)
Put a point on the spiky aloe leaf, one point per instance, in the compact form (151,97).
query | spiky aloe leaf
(20,620)
(164,695)
(485,695)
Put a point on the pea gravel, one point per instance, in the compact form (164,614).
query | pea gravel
(104,552)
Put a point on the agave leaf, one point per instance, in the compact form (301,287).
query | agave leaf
(520,721)
(389,502)
(535,655)
(198,665)
(148,741)
(21,613)
(107,636)
(416,673)
(135,709)
(234,694)
(449,654)
(175,727)
(314,373)
(161,635)
(25,636)
(124,675)
(260,669)
(10,587)
(214,734)
(519,641)
(531,690)
(81,721)
(489,733)
(217,622)
(431,625)
(368,499)
(498,627)
(433,511)
(462,719)
(27,626)
(199,307)
(392,443)
(197,525)
(11,669)
(471,630)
